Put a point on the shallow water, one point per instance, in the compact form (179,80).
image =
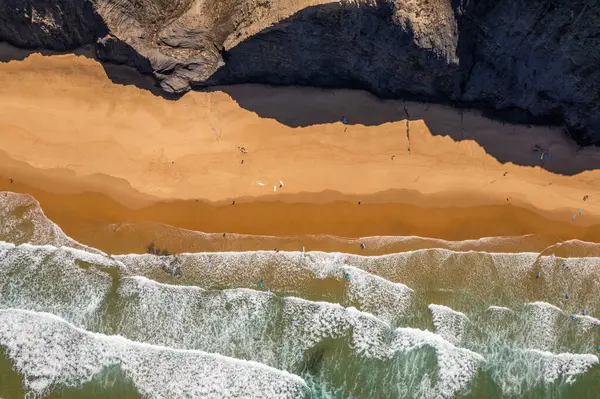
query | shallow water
(432,323)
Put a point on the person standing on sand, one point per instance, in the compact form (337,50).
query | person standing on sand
(345,122)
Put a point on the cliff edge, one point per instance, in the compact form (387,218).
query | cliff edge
(529,61)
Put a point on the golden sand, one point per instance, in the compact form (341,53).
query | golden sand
(104,159)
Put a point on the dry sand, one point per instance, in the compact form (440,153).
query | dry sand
(100,156)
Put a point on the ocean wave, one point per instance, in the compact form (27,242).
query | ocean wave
(50,279)
(487,277)
(48,351)
(449,323)
(457,366)
(564,365)
(239,322)
(524,348)
(518,371)
(387,300)
(329,316)
(540,326)
(312,323)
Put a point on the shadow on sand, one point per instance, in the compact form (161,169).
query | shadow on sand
(301,106)
(304,106)
(354,46)
(117,73)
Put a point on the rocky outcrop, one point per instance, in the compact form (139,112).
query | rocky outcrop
(530,61)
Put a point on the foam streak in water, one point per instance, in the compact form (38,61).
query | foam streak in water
(448,323)
(48,351)
(46,278)
(253,325)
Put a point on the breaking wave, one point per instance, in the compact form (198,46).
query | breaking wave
(430,323)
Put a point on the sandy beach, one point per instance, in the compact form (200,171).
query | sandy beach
(112,164)
(487,287)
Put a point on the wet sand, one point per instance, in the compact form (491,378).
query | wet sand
(112,164)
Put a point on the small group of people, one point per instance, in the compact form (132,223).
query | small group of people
(564,266)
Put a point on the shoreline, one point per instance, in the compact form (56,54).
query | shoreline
(98,221)
(101,157)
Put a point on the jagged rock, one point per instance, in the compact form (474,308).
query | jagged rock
(531,61)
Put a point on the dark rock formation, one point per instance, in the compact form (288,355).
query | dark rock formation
(534,61)
(50,24)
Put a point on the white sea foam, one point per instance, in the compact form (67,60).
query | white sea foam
(564,365)
(456,366)
(449,323)
(539,326)
(502,274)
(376,295)
(238,322)
(510,340)
(505,268)
(49,351)
(370,338)
(589,320)
(544,305)
(290,271)
(314,322)
(50,279)
(555,310)
(241,323)
(232,322)
(23,221)
(518,370)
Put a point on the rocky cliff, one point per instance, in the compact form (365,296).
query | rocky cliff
(529,60)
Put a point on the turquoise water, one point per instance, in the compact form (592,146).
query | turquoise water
(435,323)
